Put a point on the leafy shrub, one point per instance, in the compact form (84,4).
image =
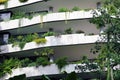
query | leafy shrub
(3,1)
(61,62)
(69,31)
(18,15)
(35,36)
(23,0)
(117,75)
(80,31)
(48,34)
(25,62)
(40,41)
(20,44)
(8,65)
(63,10)
(29,38)
(75,8)
(46,51)
(42,61)
(32,64)
(72,76)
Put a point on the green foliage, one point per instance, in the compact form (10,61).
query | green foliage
(80,31)
(117,75)
(61,62)
(8,65)
(29,38)
(20,41)
(44,77)
(87,9)
(75,8)
(35,36)
(19,77)
(72,76)
(63,10)
(3,1)
(18,15)
(40,41)
(87,65)
(42,61)
(22,44)
(25,62)
(45,52)
(69,31)
(23,0)
(109,52)
(32,64)
(48,34)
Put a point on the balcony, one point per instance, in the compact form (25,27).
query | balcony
(62,40)
(50,17)
(16,3)
(40,70)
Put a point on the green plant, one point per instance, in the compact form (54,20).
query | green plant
(49,33)
(45,52)
(35,36)
(19,77)
(80,31)
(18,15)
(87,9)
(61,62)
(29,38)
(19,44)
(75,8)
(68,31)
(63,10)
(8,65)
(117,75)
(40,41)
(25,62)
(23,0)
(22,44)
(72,76)
(91,34)
(42,61)
(32,64)
(3,1)
(44,77)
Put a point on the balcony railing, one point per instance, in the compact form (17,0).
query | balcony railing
(16,3)
(70,39)
(50,17)
(40,70)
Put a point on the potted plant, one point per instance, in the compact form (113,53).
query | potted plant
(23,1)
(69,31)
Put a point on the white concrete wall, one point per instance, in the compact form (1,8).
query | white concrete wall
(76,25)
(75,52)
(59,27)
(16,3)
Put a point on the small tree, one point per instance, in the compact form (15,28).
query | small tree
(108,16)
(46,52)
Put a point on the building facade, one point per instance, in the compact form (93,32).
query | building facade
(61,26)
